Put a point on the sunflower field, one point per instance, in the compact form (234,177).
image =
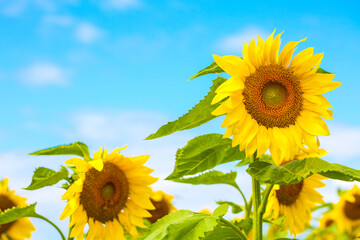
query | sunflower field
(247,159)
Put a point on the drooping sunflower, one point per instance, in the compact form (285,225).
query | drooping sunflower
(273,101)
(111,195)
(327,219)
(295,201)
(347,211)
(163,205)
(21,228)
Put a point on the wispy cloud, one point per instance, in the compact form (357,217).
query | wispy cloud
(235,42)
(59,20)
(13,8)
(88,33)
(43,74)
(343,143)
(122,4)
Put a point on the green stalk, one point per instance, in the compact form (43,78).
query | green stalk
(265,199)
(245,202)
(51,223)
(257,219)
(235,228)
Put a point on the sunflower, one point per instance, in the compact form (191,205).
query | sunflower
(111,195)
(295,201)
(21,228)
(328,219)
(163,205)
(273,102)
(347,211)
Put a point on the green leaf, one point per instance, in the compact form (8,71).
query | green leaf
(198,115)
(320,70)
(203,153)
(222,233)
(212,68)
(185,225)
(245,224)
(296,171)
(77,148)
(265,157)
(12,214)
(44,177)
(235,207)
(211,177)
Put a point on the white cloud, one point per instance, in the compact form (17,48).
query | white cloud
(43,73)
(13,8)
(343,143)
(122,4)
(60,20)
(87,32)
(235,42)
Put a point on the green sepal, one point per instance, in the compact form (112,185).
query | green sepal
(212,68)
(297,170)
(44,177)
(211,177)
(235,207)
(13,214)
(185,225)
(198,115)
(204,153)
(77,148)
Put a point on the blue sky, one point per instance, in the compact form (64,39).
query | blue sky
(111,72)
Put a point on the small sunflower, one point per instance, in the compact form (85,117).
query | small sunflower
(111,195)
(163,205)
(328,219)
(295,201)
(205,210)
(21,228)
(347,211)
(273,102)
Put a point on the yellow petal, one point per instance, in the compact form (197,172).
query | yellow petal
(287,52)
(312,123)
(263,141)
(97,164)
(301,57)
(274,50)
(233,65)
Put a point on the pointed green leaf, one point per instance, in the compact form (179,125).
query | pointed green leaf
(44,177)
(296,171)
(212,68)
(12,214)
(211,177)
(235,207)
(185,225)
(198,115)
(222,233)
(320,70)
(204,153)
(77,148)
(245,224)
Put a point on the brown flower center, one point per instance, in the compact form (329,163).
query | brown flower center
(161,209)
(329,222)
(5,203)
(104,193)
(352,209)
(273,96)
(288,194)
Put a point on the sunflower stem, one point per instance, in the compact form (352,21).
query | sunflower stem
(235,228)
(70,228)
(51,223)
(257,219)
(248,213)
(265,199)
(245,202)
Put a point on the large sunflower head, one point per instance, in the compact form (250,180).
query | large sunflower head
(111,195)
(273,101)
(347,211)
(21,228)
(295,201)
(163,205)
